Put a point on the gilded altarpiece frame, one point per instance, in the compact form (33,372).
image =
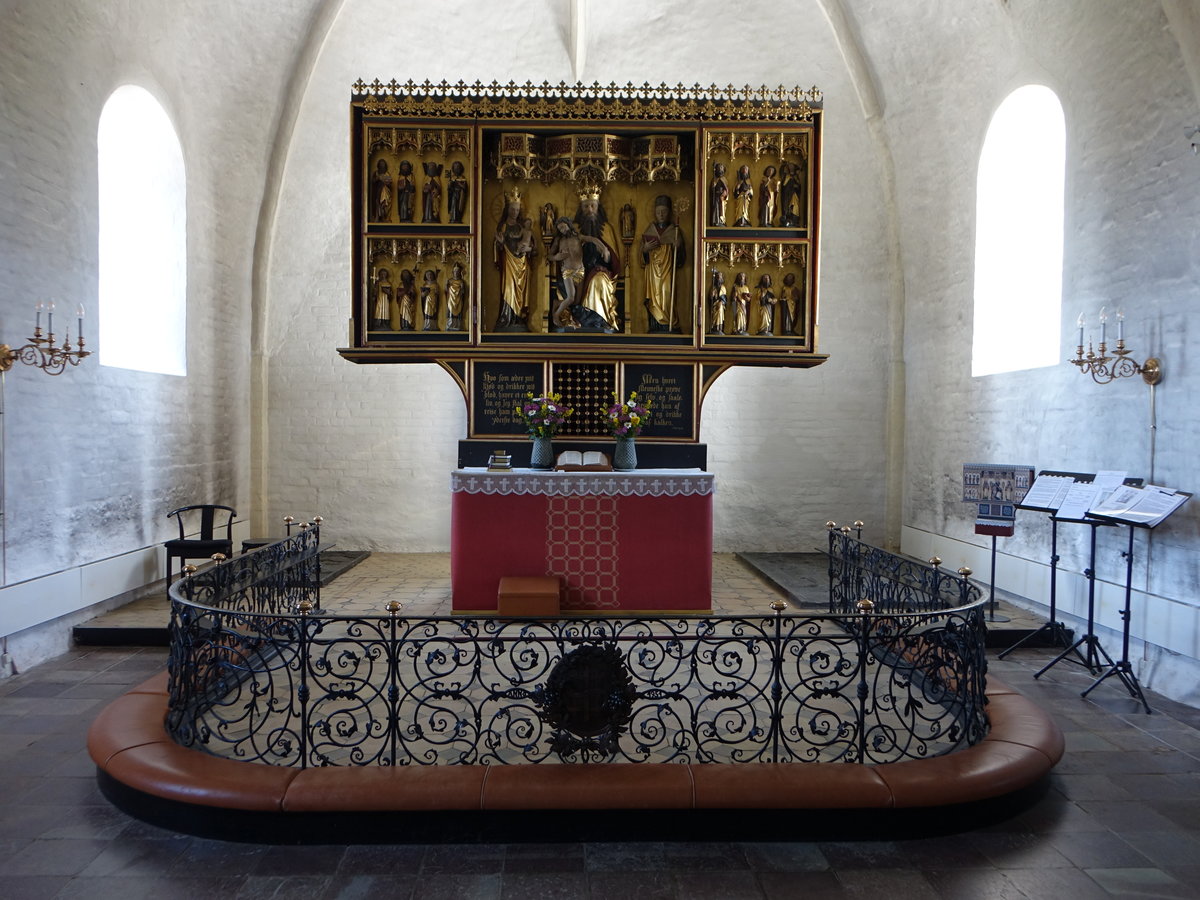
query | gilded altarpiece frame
(584,239)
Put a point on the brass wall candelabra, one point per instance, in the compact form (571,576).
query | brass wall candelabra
(40,351)
(1104,368)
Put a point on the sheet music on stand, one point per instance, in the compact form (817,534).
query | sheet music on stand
(1070,495)
(1048,492)
(1145,507)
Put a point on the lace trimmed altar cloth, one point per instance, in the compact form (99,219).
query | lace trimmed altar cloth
(620,542)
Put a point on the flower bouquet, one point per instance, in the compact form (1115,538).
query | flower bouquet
(543,416)
(625,420)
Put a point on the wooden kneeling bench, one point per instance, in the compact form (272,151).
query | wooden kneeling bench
(528,595)
(131,748)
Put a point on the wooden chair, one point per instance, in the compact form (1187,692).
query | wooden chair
(208,543)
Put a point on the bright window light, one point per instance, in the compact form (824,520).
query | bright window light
(143,236)
(1019,235)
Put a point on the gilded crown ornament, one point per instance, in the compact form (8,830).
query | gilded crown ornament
(589,191)
(513,195)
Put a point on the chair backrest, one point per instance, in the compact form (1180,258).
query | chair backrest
(208,519)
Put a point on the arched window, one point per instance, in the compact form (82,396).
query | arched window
(1019,234)
(143,236)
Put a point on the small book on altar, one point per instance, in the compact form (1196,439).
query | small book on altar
(586,461)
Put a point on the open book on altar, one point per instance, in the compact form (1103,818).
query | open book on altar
(586,461)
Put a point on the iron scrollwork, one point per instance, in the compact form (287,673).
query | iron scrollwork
(260,672)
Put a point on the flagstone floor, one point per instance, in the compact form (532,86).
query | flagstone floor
(1121,818)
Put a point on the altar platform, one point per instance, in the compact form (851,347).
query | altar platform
(420,582)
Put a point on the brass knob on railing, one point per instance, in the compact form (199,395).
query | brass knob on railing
(858,524)
(865,605)
(218,558)
(317,520)
(305,607)
(846,529)
(288,520)
(304,526)
(965,571)
(831,525)
(935,561)
(189,570)
(393,606)
(778,605)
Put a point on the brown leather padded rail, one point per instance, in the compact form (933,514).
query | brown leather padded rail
(128,742)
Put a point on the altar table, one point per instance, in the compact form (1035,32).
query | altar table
(621,542)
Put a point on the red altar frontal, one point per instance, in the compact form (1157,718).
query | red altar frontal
(623,542)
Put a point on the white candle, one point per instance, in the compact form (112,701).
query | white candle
(79,315)
(50,317)
(1120,324)
(1103,324)
(1080,322)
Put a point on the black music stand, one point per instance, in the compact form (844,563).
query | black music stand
(1091,658)
(1123,668)
(1059,635)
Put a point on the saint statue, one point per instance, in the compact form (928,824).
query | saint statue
(791,197)
(456,193)
(628,222)
(406,192)
(791,302)
(718,298)
(768,194)
(741,304)
(513,249)
(718,196)
(381,308)
(431,297)
(431,193)
(766,305)
(662,253)
(381,192)
(456,298)
(742,195)
(404,305)
(596,298)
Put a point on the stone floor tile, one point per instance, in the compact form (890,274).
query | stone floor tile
(456,886)
(33,887)
(382,859)
(895,884)
(1102,848)
(973,884)
(284,861)
(1140,883)
(785,857)
(283,887)
(867,855)
(372,887)
(541,886)
(55,857)
(1126,815)
(801,886)
(631,885)
(741,885)
(1060,884)
(1018,850)
(474,859)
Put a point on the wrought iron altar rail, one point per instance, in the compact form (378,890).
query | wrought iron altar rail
(893,584)
(257,675)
